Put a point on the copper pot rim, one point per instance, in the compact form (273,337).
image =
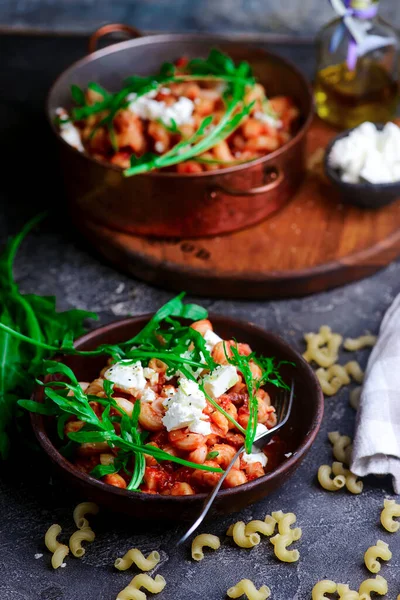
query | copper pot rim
(38,421)
(164,38)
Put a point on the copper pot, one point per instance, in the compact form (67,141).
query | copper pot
(172,204)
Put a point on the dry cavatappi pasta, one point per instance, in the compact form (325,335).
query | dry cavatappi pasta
(204,539)
(352,483)
(380,550)
(285,521)
(364,341)
(322,347)
(355,371)
(378,585)
(266,527)
(345,593)
(59,550)
(336,376)
(86,534)
(342,446)
(355,396)
(389,512)
(325,586)
(155,586)
(327,482)
(84,508)
(281,543)
(247,588)
(238,532)
(134,555)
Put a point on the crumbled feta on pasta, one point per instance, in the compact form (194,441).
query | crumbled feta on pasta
(185,409)
(126,375)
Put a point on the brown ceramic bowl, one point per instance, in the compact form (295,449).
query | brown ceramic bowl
(299,433)
(167,204)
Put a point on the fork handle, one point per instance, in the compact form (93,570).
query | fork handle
(210,498)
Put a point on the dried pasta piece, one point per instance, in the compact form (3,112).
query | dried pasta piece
(380,550)
(325,586)
(325,480)
(280,543)
(238,531)
(204,539)
(133,592)
(332,379)
(134,555)
(322,347)
(342,446)
(355,371)
(59,550)
(345,593)
(266,527)
(247,588)
(353,485)
(84,508)
(86,534)
(389,512)
(378,585)
(355,396)
(285,520)
(364,341)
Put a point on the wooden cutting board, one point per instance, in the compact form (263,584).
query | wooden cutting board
(313,244)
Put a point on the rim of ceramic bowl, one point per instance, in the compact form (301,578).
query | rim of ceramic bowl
(39,422)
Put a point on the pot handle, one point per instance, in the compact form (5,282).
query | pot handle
(129,30)
(274,175)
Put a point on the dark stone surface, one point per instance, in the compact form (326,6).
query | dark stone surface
(297,17)
(337,528)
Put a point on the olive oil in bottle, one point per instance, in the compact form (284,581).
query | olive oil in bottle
(353,85)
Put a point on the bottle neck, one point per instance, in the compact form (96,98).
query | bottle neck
(363,9)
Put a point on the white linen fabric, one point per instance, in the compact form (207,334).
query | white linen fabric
(377,440)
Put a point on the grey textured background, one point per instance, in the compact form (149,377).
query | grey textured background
(299,17)
(337,528)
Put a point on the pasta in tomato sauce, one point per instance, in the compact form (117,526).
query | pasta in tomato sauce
(183,109)
(177,417)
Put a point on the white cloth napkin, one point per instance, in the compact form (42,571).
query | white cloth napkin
(377,440)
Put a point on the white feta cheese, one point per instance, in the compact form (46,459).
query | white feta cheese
(375,169)
(269,119)
(220,380)
(367,154)
(159,147)
(211,339)
(151,375)
(255,457)
(260,429)
(147,108)
(185,409)
(38,555)
(68,131)
(148,395)
(128,377)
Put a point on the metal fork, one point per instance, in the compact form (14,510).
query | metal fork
(283,407)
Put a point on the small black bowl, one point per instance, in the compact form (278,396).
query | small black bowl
(366,195)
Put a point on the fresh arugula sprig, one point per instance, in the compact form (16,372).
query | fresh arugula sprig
(270,374)
(45,329)
(59,402)
(216,67)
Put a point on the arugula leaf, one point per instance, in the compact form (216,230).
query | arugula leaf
(212,455)
(21,354)
(78,95)
(173,308)
(100,470)
(95,87)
